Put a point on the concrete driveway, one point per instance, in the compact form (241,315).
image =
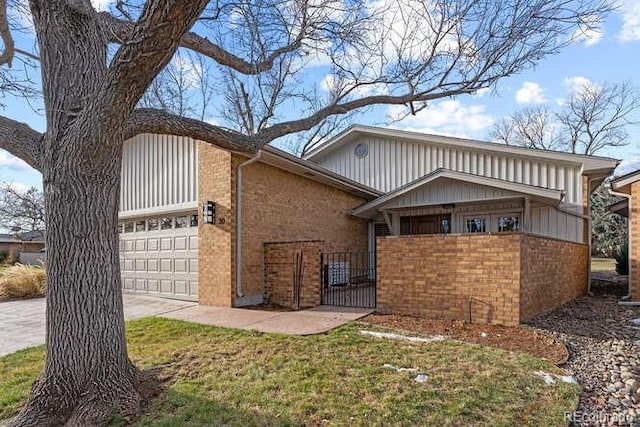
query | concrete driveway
(22,323)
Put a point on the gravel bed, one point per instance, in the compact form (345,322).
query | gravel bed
(604,355)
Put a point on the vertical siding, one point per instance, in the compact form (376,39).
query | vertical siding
(391,164)
(158,171)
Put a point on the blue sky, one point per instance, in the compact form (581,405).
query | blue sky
(611,54)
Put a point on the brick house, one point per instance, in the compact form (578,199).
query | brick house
(628,187)
(447,227)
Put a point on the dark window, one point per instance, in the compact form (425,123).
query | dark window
(128,227)
(194,220)
(140,225)
(152,224)
(509,223)
(166,223)
(425,224)
(181,222)
(475,225)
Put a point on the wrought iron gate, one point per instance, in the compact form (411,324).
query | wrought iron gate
(349,279)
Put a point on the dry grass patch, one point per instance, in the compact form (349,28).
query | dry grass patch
(22,281)
(228,377)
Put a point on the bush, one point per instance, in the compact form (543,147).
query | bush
(622,259)
(3,256)
(22,281)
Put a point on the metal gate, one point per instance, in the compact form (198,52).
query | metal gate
(349,279)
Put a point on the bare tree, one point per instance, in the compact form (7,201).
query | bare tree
(531,128)
(388,52)
(593,118)
(21,210)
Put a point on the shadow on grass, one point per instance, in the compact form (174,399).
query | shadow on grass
(175,408)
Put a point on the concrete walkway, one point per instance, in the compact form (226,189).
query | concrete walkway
(22,323)
(316,320)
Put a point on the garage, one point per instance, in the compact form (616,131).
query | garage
(159,255)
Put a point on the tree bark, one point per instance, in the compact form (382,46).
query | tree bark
(87,377)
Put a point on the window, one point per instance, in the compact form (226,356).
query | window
(362,150)
(140,225)
(508,223)
(166,223)
(152,224)
(128,227)
(475,225)
(181,222)
(425,224)
(194,220)
(120,227)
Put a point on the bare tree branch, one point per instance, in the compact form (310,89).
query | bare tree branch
(21,141)
(149,47)
(284,128)
(21,211)
(5,33)
(120,31)
(147,120)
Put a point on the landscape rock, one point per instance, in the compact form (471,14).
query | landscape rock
(604,354)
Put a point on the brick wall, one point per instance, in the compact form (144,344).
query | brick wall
(280,269)
(553,272)
(279,206)
(466,277)
(497,279)
(216,268)
(634,241)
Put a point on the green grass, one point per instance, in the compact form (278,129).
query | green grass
(232,377)
(603,264)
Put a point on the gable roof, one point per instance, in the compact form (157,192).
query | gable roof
(590,163)
(546,194)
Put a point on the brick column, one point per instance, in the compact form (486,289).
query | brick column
(216,268)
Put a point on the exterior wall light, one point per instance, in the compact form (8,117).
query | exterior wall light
(208,212)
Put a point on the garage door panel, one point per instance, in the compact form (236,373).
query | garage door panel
(180,243)
(166,244)
(160,262)
(152,244)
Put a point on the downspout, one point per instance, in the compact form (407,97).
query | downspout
(628,197)
(239,291)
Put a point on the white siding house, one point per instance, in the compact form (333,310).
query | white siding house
(464,185)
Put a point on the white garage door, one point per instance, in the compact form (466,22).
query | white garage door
(159,256)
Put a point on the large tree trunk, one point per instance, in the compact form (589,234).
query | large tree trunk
(88,377)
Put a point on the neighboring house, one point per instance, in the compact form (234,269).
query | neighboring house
(628,186)
(450,228)
(12,245)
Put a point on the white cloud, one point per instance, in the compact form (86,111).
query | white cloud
(13,163)
(449,117)
(628,165)
(577,83)
(480,93)
(530,93)
(590,36)
(630,30)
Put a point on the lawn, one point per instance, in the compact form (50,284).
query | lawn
(603,264)
(231,377)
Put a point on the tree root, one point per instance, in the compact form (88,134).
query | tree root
(53,402)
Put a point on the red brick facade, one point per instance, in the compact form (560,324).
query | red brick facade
(498,279)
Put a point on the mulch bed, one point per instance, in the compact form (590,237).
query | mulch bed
(519,339)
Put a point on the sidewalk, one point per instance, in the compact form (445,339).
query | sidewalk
(316,320)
